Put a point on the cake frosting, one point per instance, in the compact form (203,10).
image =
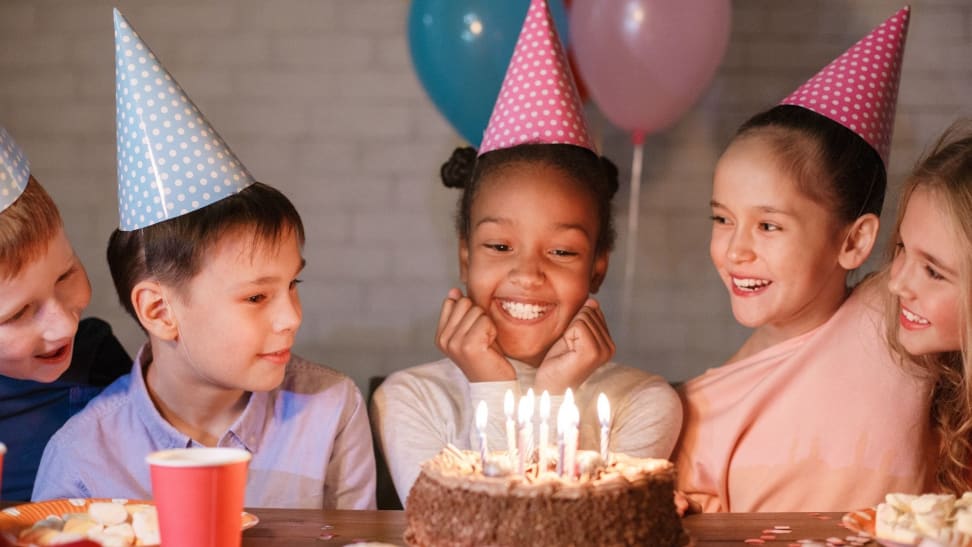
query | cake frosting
(628,501)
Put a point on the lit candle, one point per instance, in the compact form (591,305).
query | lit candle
(564,417)
(482,414)
(544,433)
(525,415)
(604,415)
(571,439)
(508,408)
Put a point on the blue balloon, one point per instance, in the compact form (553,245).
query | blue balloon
(461,48)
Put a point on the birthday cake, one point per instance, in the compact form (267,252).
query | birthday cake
(628,501)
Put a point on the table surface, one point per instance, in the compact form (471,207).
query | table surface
(306,527)
(319,528)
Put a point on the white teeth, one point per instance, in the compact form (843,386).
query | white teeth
(914,318)
(523,311)
(750,284)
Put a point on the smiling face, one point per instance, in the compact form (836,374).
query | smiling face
(39,312)
(530,261)
(237,318)
(775,249)
(925,278)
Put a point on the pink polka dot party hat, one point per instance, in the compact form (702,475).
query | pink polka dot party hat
(538,102)
(14,170)
(859,89)
(170,159)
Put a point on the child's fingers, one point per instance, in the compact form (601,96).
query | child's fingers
(457,313)
(461,339)
(483,330)
(594,331)
(448,305)
(600,322)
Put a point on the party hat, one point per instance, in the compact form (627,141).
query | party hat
(538,102)
(170,159)
(859,89)
(14,170)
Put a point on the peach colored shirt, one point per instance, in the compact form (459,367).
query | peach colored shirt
(826,421)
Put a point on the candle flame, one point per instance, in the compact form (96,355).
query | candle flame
(525,410)
(508,404)
(603,410)
(545,406)
(482,414)
(568,397)
(563,416)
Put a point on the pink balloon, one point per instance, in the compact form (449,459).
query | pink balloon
(646,62)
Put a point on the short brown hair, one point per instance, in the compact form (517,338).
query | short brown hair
(26,228)
(174,251)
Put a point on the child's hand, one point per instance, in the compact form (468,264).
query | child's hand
(585,345)
(468,336)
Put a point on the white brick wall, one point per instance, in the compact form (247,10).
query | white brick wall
(318,97)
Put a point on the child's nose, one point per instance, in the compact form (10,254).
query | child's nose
(59,320)
(289,316)
(527,271)
(740,248)
(898,280)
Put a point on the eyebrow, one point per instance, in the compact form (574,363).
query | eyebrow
(560,226)
(763,208)
(937,263)
(492,220)
(272,278)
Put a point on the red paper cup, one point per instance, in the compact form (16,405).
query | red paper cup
(3,450)
(199,495)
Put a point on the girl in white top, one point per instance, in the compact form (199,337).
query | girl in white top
(534,237)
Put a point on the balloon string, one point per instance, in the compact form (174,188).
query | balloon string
(631,249)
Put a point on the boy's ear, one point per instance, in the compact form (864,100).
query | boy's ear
(153,310)
(463,260)
(859,242)
(599,272)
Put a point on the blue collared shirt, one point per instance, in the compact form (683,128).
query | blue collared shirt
(309,437)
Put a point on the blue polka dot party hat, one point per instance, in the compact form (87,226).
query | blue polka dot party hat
(170,159)
(14,170)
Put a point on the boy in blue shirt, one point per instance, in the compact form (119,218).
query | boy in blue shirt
(207,259)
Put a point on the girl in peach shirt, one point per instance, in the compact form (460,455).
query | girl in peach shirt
(812,413)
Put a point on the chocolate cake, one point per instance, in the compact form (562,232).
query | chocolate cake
(629,501)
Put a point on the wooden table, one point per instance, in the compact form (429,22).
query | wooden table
(309,527)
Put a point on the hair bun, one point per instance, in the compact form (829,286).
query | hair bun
(457,171)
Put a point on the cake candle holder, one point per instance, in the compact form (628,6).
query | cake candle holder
(544,433)
(604,416)
(482,416)
(508,408)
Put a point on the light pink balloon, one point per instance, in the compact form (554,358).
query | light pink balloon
(646,62)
